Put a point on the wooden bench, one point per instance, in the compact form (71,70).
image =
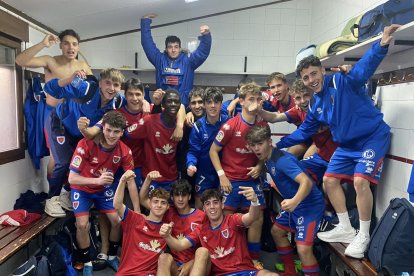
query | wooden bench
(339,260)
(13,238)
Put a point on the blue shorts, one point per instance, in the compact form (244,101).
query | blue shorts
(367,162)
(204,182)
(243,273)
(82,201)
(315,167)
(234,200)
(305,223)
(138,179)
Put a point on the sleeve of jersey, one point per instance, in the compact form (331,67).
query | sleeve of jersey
(367,65)
(127,160)
(80,157)
(223,136)
(193,237)
(195,146)
(292,116)
(289,167)
(305,131)
(201,53)
(138,130)
(130,220)
(53,89)
(267,105)
(147,42)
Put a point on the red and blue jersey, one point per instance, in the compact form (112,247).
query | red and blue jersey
(237,157)
(184,224)
(227,244)
(160,150)
(91,160)
(141,245)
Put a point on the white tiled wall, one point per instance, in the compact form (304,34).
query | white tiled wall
(269,36)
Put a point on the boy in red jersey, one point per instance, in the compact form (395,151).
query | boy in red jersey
(223,236)
(142,243)
(239,165)
(91,177)
(278,96)
(185,220)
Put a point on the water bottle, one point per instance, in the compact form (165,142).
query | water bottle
(76,81)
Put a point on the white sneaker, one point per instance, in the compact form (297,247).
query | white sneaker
(358,246)
(65,202)
(338,234)
(53,208)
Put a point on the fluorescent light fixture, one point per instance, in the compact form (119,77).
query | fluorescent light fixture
(189,1)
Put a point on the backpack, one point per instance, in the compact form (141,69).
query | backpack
(392,242)
(391,12)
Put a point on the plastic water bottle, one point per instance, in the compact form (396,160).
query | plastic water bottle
(76,81)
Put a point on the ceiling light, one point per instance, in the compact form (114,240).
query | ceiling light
(189,1)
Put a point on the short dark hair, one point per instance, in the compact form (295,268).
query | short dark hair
(160,193)
(211,193)
(172,39)
(213,94)
(258,133)
(115,119)
(169,92)
(133,83)
(196,92)
(68,32)
(181,187)
(306,63)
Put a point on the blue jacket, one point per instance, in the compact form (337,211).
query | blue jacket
(344,105)
(201,137)
(174,73)
(70,111)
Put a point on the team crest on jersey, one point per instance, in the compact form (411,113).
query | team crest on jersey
(81,151)
(77,160)
(133,127)
(300,220)
(109,193)
(60,139)
(193,226)
(116,159)
(220,136)
(75,205)
(225,233)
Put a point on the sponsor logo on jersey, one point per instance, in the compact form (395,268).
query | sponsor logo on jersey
(219,252)
(81,151)
(180,236)
(166,149)
(172,70)
(132,128)
(243,151)
(220,136)
(154,246)
(75,205)
(116,159)
(225,233)
(77,160)
(60,139)
(368,154)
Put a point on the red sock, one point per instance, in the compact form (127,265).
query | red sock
(310,270)
(286,255)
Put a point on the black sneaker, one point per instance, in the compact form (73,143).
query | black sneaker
(25,268)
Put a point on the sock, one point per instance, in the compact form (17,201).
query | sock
(310,270)
(103,256)
(286,255)
(254,250)
(84,255)
(113,249)
(364,227)
(344,220)
(88,263)
(110,258)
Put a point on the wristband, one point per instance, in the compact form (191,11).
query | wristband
(257,203)
(220,173)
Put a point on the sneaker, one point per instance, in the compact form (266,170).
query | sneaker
(100,262)
(25,268)
(114,263)
(65,202)
(87,270)
(53,208)
(338,234)
(280,267)
(358,246)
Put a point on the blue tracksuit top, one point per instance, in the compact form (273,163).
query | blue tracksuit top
(69,111)
(174,73)
(344,105)
(201,138)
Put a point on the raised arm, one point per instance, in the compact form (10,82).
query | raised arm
(203,50)
(272,117)
(119,193)
(147,42)
(27,57)
(85,130)
(143,193)
(254,210)
(179,125)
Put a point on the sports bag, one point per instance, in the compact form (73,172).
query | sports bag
(392,242)
(391,12)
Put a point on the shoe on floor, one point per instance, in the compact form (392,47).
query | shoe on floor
(338,234)
(25,268)
(65,202)
(87,270)
(100,262)
(114,263)
(53,208)
(358,246)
